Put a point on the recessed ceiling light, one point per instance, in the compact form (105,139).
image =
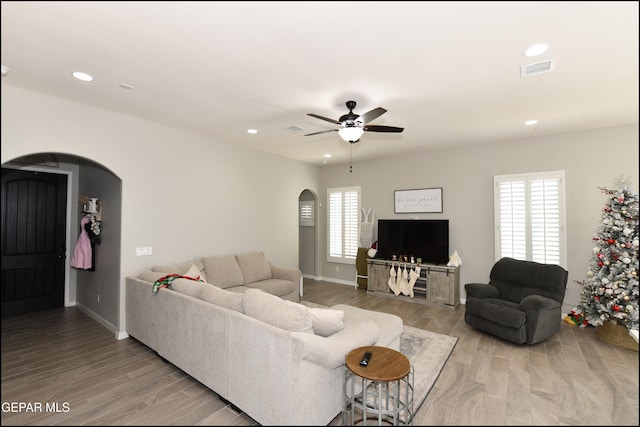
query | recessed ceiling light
(327,155)
(252,131)
(82,76)
(530,122)
(536,49)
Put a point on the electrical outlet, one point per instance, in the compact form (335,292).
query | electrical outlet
(337,268)
(144,251)
(98,298)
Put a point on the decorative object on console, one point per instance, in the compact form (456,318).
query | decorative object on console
(393,279)
(373,250)
(454,260)
(403,280)
(366,228)
(414,275)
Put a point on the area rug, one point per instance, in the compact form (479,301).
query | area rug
(428,352)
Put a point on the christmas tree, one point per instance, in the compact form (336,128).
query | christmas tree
(610,292)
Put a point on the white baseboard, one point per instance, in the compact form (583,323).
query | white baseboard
(338,281)
(104,322)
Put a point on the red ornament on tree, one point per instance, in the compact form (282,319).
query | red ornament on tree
(611,241)
(616,308)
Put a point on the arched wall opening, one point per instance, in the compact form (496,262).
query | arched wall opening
(95,292)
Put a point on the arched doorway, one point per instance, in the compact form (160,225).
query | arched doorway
(95,292)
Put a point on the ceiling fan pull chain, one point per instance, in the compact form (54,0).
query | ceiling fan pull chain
(350,156)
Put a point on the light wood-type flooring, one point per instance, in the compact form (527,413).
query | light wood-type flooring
(66,360)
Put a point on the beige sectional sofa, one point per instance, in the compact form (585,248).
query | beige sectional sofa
(237,273)
(278,361)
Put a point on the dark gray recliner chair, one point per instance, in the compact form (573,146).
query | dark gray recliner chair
(522,302)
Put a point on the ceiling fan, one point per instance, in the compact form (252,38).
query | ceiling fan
(352,125)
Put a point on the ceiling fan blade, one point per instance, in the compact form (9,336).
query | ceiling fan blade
(374,128)
(372,115)
(322,131)
(335,122)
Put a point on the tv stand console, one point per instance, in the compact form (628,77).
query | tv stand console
(437,284)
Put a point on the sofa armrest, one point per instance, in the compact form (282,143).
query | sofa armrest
(292,274)
(330,352)
(481,290)
(543,317)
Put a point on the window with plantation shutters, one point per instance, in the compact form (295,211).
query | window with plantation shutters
(306,214)
(342,215)
(530,217)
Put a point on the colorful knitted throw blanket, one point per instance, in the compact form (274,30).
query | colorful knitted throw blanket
(165,281)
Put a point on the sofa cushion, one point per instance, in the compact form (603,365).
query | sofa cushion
(275,311)
(178,268)
(254,266)
(500,312)
(223,271)
(389,325)
(222,297)
(277,287)
(189,287)
(326,321)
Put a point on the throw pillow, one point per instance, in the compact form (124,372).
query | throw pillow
(326,321)
(189,287)
(254,266)
(275,311)
(222,298)
(193,271)
(223,271)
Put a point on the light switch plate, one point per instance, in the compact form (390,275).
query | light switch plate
(144,251)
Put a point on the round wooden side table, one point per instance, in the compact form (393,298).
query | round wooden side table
(383,388)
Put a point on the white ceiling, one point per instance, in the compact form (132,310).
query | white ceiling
(448,72)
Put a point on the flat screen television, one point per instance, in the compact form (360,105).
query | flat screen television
(421,238)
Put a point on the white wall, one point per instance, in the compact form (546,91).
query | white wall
(188,196)
(590,160)
(182,194)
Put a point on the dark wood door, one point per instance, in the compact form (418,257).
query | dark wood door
(34,209)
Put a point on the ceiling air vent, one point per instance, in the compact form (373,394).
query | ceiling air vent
(537,68)
(295,128)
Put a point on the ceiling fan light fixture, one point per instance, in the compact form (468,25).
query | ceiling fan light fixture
(351,133)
